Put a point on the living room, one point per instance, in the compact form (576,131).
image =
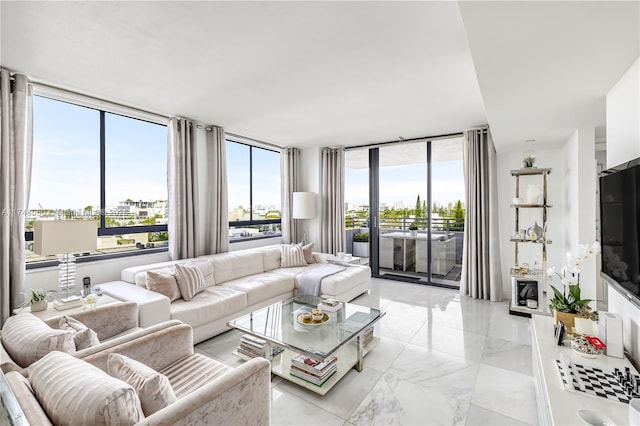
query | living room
(558,78)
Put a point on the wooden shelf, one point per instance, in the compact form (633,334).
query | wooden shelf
(530,206)
(530,171)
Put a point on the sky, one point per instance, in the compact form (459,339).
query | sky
(66,165)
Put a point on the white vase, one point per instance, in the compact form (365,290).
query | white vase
(40,305)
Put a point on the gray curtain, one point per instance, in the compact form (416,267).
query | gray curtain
(332,220)
(183,189)
(217,232)
(289,160)
(481,274)
(16,145)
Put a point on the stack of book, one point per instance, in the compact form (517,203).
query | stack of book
(313,371)
(253,347)
(367,336)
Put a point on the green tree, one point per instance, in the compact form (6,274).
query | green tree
(418,210)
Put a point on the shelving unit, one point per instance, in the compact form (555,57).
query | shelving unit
(520,281)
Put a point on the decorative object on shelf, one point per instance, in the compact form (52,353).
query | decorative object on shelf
(528,158)
(37,299)
(534,233)
(534,194)
(582,347)
(566,305)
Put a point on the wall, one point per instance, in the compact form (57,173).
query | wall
(623,118)
(623,144)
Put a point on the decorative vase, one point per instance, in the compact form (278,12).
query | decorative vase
(413,232)
(40,305)
(528,159)
(535,232)
(567,318)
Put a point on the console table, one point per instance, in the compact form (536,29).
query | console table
(557,406)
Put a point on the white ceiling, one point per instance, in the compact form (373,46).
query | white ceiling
(336,73)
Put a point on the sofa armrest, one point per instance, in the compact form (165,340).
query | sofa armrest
(240,396)
(153,308)
(157,346)
(106,320)
(6,362)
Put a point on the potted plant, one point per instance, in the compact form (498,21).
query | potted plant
(568,304)
(413,230)
(361,244)
(37,299)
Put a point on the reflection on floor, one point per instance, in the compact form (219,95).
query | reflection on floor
(443,359)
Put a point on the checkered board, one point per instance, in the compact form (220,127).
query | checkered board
(594,381)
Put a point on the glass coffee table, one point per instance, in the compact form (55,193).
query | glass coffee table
(346,334)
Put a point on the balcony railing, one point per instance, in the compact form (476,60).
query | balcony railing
(403,223)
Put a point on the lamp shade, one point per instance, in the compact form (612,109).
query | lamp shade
(64,236)
(304,205)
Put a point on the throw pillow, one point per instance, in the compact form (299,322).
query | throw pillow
(163,283)
(291,255)
(190,281)
(83,336)
(27,338)
(308,253)
(73,392)
(153,389)
(207,271)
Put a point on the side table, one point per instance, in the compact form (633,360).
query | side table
(52,312)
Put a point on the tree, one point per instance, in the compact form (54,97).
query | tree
(418,211)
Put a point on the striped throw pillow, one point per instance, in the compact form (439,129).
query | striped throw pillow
(291,255)
(27,338)
(153,389)
(74,392)
(190,281)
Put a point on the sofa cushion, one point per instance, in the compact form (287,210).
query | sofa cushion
(291,255)
(344,280)
(262,287)
(232,265)
(308,253)
(140,277)
(192,372)
(83,337)
(271,258)
(27,338)
(74,392)
(213,303)
(163,283)
(190,281)
(153,388)
(206,268)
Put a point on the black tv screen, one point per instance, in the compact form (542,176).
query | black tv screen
(620,227)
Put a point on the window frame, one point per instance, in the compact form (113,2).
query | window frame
(103,230)
(251,221)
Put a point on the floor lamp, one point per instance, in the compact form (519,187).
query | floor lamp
(304,207)
(63,238)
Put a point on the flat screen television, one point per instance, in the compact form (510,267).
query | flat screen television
(620,228)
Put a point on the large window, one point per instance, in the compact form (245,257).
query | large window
(93,163)
(253,176)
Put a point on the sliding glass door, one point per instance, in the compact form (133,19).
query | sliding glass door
(414,213)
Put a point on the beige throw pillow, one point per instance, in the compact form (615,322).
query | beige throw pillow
(74,392)
(83,336)
(308,253)
(291,255)
(153,389)
(163,283)
(190,281)
(27,338)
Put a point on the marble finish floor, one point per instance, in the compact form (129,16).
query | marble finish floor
(442,359)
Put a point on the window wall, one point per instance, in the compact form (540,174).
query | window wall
(90,163)
(253,176)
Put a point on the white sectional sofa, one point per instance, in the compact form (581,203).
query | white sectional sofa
(241,282)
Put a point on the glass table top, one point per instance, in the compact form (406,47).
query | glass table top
(279,324)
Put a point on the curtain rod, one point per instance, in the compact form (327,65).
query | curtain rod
(402,140)
(247,138)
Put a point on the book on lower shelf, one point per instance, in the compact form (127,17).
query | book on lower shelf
(313,370)
(253,347)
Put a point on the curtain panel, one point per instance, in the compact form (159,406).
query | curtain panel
(332,219)
(198,205)
(481,270)
(16,146)
(289,163)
